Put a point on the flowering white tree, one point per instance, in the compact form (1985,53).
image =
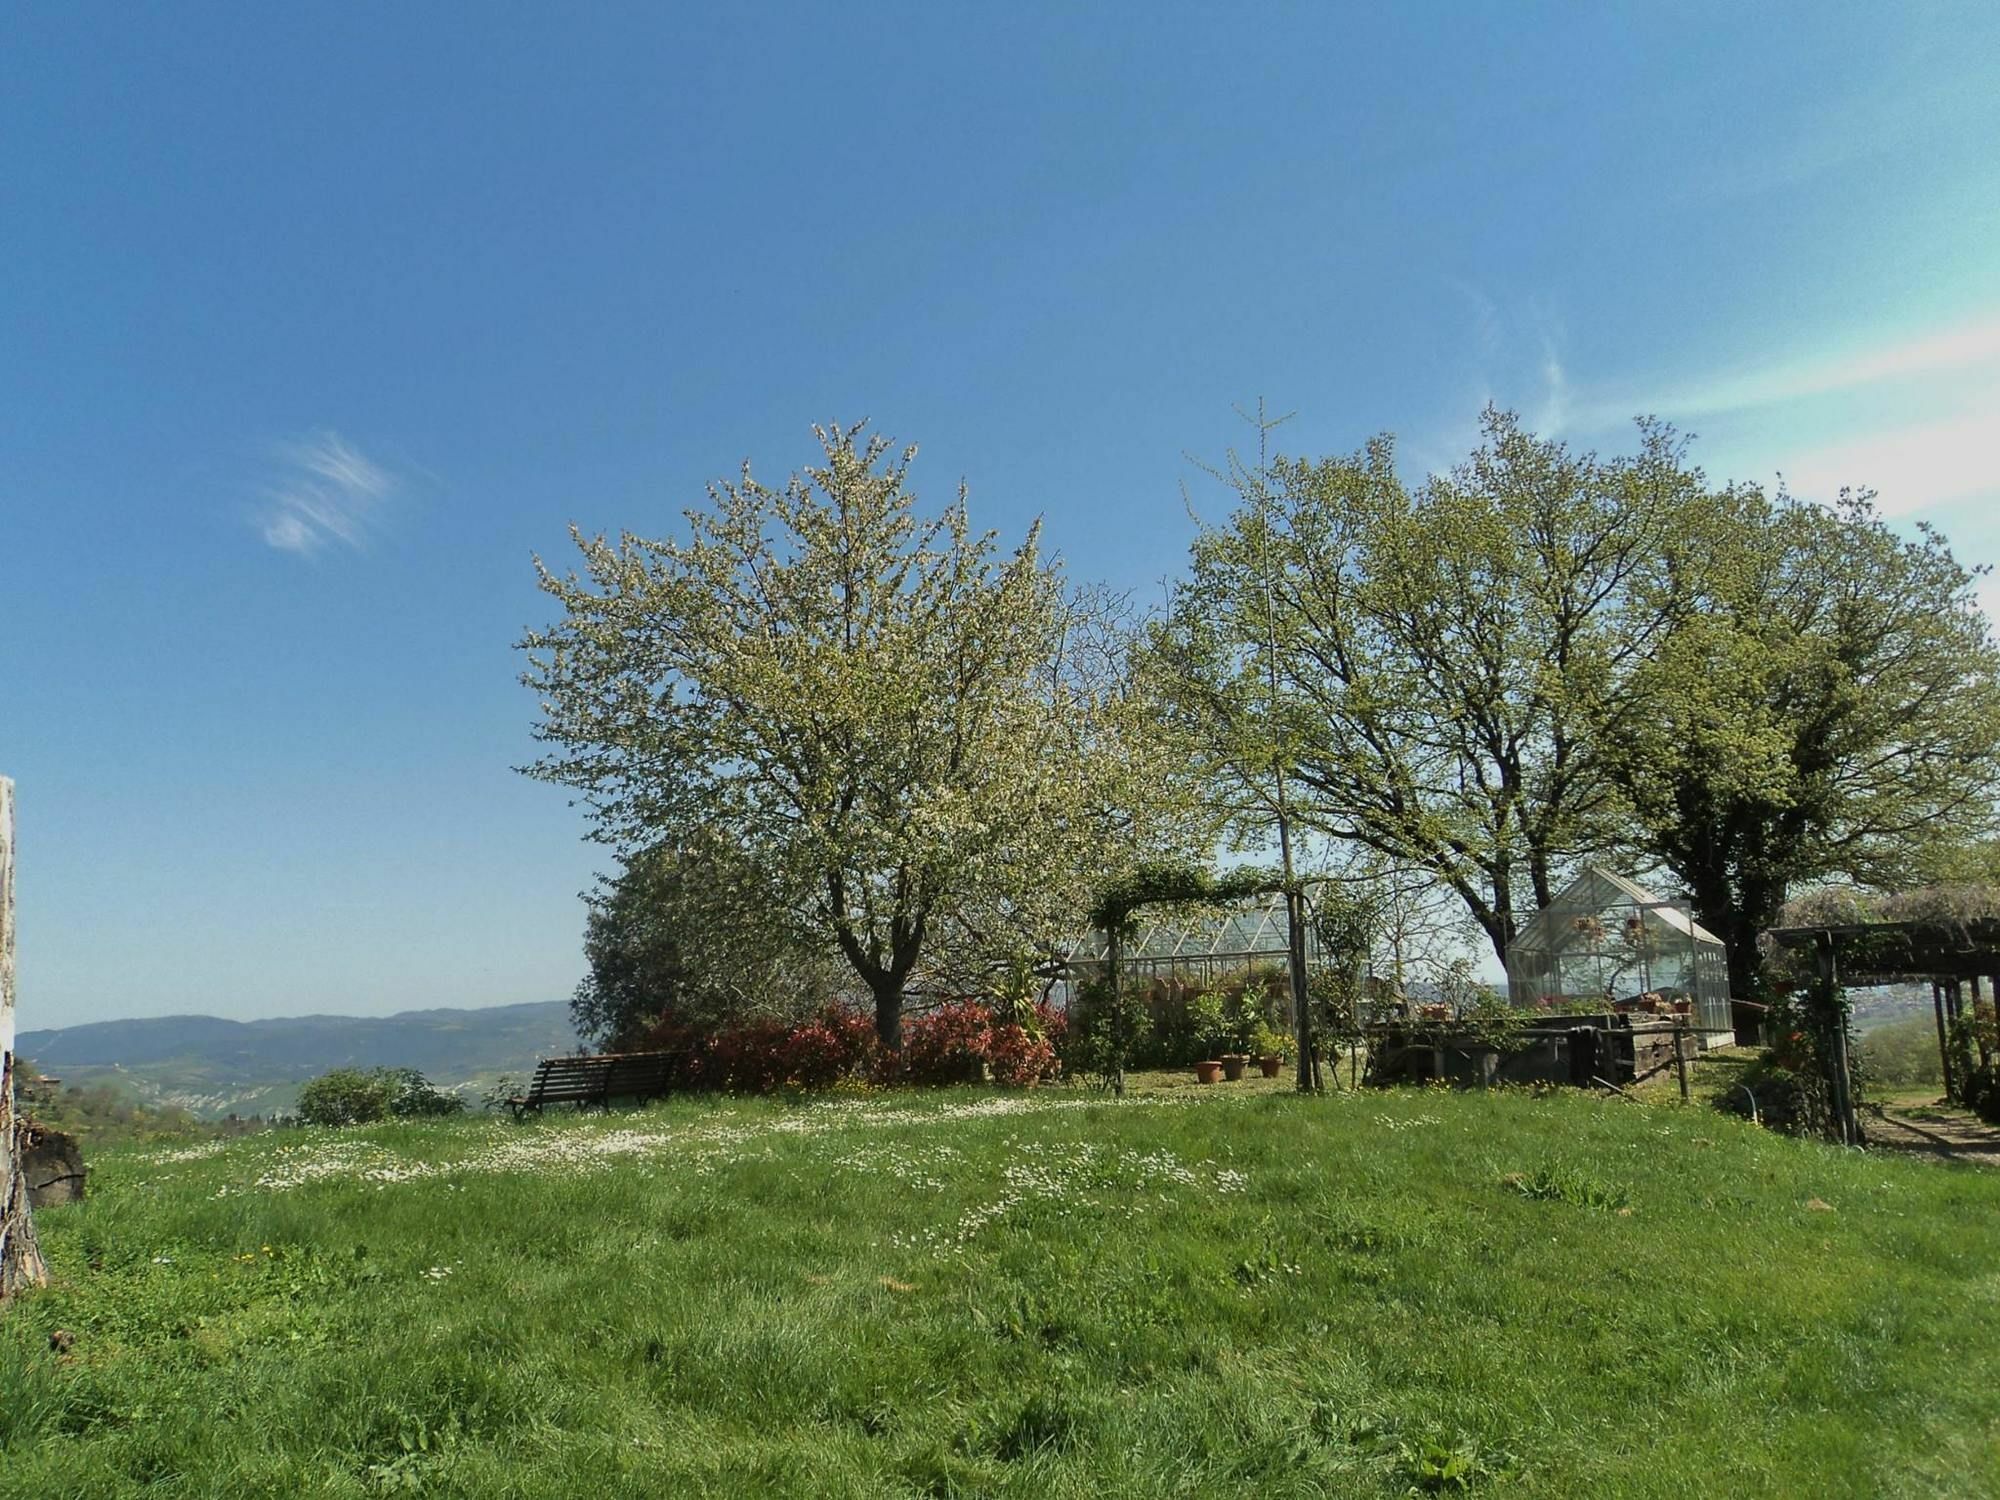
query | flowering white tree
(923,743)
(20,1257)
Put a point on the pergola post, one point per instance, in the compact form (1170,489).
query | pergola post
(1826,996)
(1117,1011)
(1954,1008)
(1979,1031)
(1993,1004)
(20,1256)
(1944,1038)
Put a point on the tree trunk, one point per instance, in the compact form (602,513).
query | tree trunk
(1738,927)
(20,1257)
(1740,935)
(889,1014)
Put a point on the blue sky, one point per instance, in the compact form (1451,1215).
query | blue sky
(316,322)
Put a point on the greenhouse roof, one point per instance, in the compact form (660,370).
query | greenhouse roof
(1596,890)
(1255,924)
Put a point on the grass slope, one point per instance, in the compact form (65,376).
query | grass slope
(1220,1291)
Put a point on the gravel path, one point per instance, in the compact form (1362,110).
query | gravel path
(1935,1134)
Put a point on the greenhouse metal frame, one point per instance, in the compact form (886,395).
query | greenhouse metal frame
(1195,946)
(1606,939)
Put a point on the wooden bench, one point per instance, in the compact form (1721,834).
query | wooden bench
(598,1079)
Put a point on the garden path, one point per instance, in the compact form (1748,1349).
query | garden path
(1935,1132)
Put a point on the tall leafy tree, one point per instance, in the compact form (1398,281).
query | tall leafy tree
(692,936)
(1827,706)
(1445,654)
(918,739)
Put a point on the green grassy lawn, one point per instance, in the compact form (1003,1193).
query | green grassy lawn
(1225,1290)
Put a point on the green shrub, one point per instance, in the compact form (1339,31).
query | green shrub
(1208,1026)
(1982,1093)
(360,1096)
(1105,1034)
(413,1096)
(1903,1054)
(1246,1013)
(1269,1041)
(346,1096)
(503,1088)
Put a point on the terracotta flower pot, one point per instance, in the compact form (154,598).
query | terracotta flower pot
(1270,1062)
(1207,1072)
(1232,1065)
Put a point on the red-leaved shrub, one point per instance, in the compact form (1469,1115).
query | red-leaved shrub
(951,1043)
(749,1057)
(955,1043)
(1054,1026)
(947,1045)
(1017,1059)
(759,1056)
(835,1044)
(689,1048)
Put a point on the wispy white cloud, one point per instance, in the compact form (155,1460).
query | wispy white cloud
(1515,360)
(327,492)
(1970,346)
(1989,598)
(1554,414)
(1914,466)
(1914,418)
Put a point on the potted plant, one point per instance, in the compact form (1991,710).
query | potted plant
(1207,1072)
(1233,1064)
(1269,1050)
(1208,1026)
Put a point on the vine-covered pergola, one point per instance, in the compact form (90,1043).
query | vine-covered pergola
(1259,928)
(1199,944)
(1945,936)
(1115,915)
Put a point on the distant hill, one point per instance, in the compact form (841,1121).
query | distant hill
(214,1067)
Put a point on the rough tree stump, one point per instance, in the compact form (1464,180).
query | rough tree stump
(20,1256)
(52,1162)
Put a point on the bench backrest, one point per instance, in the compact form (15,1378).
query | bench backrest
(604,1075)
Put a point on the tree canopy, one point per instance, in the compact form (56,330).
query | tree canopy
(823,727)
(1826,706)
(921,743)
(692,936)
(1443,655)
(1545,656)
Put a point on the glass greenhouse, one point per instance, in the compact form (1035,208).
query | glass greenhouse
(1195,946)
(1605,939)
